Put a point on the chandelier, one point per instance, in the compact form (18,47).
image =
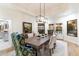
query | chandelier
(41,18)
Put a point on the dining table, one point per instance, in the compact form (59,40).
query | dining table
(37,42)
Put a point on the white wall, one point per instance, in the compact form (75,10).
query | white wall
(17,18)
(64,20)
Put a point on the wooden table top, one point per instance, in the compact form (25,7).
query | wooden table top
(36,41)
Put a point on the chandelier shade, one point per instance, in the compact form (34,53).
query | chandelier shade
(41,18)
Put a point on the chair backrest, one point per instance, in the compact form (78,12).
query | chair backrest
(16,43)
(50,32)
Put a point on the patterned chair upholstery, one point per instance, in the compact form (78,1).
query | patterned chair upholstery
(21,49)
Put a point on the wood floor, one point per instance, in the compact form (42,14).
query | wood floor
(73,49)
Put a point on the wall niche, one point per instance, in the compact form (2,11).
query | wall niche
(4,30)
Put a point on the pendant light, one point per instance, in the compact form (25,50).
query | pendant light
(41,18)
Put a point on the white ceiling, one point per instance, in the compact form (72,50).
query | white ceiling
(52,9)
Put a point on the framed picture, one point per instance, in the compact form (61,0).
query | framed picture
(27,27)
(41,28)
(51,26)
(59,27)
(4,26)
(72,28)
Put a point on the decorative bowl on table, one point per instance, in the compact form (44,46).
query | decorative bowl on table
(45,35)
(39,37)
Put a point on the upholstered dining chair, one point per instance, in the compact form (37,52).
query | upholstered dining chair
(52,44)
(21,50)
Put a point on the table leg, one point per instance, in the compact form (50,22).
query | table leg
(38,52)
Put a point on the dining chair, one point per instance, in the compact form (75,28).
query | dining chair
(21,50)
(52,44)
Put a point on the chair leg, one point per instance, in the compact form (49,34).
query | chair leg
(38,53)
(54,45)
(50,51)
